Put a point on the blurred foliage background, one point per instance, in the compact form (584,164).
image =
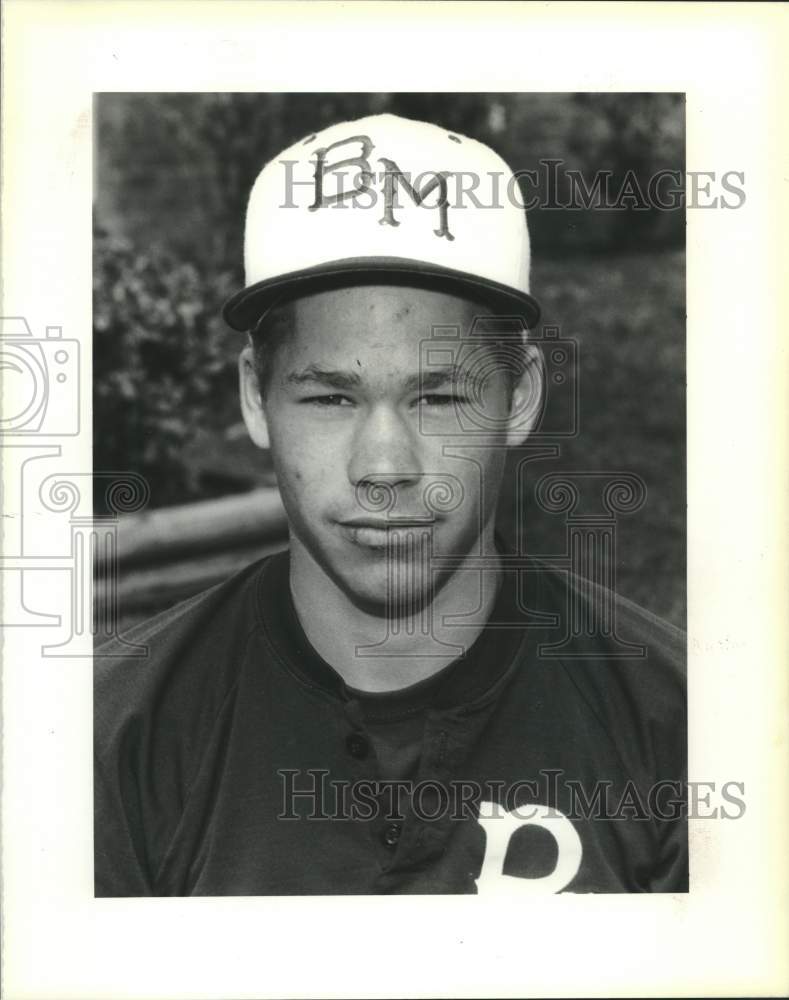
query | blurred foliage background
(173,172)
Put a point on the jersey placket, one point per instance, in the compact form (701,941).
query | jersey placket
(449,737)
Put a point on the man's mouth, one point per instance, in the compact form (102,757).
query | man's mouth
(380,533)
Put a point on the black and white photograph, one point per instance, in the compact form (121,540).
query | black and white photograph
(405,610)
(393,482)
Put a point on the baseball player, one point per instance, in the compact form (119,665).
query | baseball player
(397,704)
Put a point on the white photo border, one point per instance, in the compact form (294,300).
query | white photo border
(727,936)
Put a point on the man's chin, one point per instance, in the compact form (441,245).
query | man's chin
(386,581)
(388,594)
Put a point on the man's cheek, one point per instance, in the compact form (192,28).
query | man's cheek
(296,477)
(306,476)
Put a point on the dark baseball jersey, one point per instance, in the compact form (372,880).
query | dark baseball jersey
(550,756)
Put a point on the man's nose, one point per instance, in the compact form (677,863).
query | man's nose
(384,450)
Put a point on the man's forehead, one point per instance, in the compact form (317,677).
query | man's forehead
(392,333)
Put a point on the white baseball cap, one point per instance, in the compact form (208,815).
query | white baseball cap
(384,196)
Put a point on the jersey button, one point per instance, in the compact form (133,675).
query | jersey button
(391,834)
(358,746)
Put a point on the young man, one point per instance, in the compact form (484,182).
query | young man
(396,704)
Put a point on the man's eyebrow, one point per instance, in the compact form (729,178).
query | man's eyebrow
(438,378)
(314,374)
(423,381)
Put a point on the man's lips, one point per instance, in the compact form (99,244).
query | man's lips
(378,533)
(401,521)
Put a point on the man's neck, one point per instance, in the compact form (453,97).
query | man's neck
(374,652)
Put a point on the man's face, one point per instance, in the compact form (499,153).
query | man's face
(373,464)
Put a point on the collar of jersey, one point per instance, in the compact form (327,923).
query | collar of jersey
(466,680)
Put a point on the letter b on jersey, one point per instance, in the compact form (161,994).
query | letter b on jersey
(499,826)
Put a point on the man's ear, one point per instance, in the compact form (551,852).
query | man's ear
(251,399)
(528,397)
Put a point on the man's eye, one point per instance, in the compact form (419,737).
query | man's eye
(334,400)
(441,399)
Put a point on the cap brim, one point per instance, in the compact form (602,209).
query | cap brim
(246,307)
